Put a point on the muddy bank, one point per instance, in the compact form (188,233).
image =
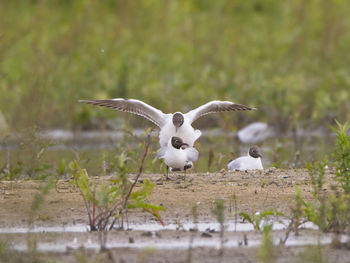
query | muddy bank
(254,191)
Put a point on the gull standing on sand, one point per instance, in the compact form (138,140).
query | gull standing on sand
(250,162)
(177,155)
(177,124)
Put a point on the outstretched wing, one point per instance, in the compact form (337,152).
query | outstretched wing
(133,106)
(215,106)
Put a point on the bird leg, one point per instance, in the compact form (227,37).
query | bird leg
(167,173)
(188,166)
(176,170)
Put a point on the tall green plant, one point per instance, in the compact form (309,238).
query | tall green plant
(342,155)
(107,203)
(330,210)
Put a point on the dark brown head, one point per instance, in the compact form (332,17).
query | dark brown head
(176,142)
(178,120)
(254,152)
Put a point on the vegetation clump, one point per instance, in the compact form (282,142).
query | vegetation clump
(27,160)
(108,203)
(342,155)
(260,220)
(330,209)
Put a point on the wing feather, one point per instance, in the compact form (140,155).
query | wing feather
(215,106)
(161,152)
(234,165)
(132,106)
(192,154)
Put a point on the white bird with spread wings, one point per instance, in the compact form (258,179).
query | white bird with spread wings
(177,124)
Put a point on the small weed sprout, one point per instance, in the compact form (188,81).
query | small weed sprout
(37,202)
(266,252)
(5,252)
(234,213)
(194,212)
(297,218)
(62,168)
(258,220)
(219,212)
(312,254)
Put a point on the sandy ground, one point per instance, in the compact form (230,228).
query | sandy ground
(254,191)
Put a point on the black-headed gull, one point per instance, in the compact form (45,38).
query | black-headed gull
(177,124)
(177,155)
(250,162)
(255,132)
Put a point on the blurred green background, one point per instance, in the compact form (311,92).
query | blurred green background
(290,59)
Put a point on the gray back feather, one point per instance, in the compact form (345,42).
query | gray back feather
(234,165)
(192,154)
(161,152)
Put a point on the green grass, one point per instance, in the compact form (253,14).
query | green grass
(288,58)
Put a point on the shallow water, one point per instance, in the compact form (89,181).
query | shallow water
(62,246)
(80,237)
(182,242)
(187,226)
